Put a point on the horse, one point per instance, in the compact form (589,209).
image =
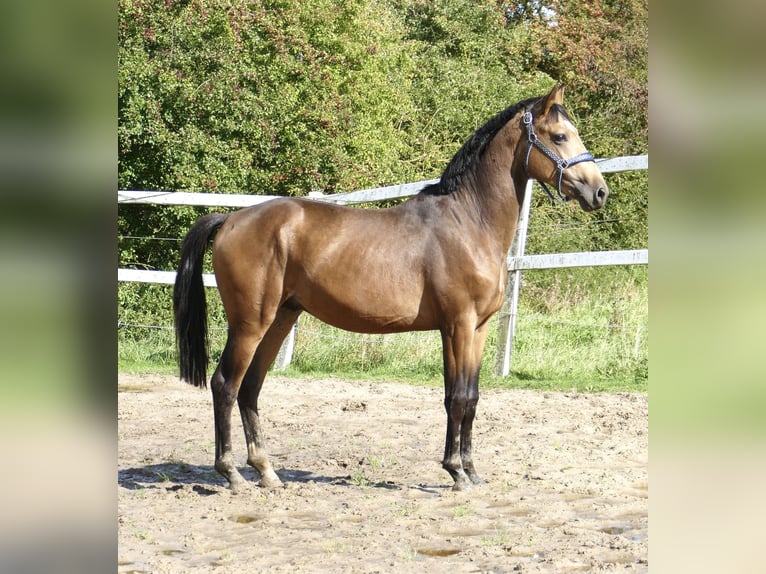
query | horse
(434,262)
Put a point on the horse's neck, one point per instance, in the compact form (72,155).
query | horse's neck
(497,188)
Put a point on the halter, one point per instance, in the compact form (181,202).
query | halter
(561,164)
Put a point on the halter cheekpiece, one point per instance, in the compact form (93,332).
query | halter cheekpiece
(561,164)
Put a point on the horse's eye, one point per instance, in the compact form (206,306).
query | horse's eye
(559,138)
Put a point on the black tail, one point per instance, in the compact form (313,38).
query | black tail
(189,303)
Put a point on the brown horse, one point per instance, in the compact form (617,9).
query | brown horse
(434,262)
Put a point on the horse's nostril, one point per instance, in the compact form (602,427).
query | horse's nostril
(601,194)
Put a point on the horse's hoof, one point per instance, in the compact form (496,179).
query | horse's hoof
(270,482)
(462,486)
(476,479)
(238,486)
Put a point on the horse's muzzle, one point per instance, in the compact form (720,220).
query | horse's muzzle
(591,197)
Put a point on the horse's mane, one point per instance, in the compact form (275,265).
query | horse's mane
(472,150)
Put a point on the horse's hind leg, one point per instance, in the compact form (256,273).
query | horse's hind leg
(225,384)
(251,388)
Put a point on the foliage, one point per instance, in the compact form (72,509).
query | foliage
(283,97)
(468,68)
(599,50)
(258,97)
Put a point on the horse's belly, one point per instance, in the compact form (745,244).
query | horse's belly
(368,310)
(361,323)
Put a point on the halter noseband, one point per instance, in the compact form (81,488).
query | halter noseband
(561,164)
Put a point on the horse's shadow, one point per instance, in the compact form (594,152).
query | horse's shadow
(205,480)
(170,475)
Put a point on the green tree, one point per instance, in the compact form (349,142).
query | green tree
(469,67)
(251,97)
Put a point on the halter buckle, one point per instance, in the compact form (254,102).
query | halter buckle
(527,118)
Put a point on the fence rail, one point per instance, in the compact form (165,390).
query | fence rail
(517,260)
(579,259)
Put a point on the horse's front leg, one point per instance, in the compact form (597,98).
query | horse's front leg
(460,397)
(454,404)
(466,429)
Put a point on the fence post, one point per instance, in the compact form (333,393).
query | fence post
(285,354)
(506,323)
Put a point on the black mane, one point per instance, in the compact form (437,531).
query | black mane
(472,150)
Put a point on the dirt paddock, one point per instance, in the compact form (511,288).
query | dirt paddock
(566,482)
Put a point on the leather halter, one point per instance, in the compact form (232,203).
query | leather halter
(561,164)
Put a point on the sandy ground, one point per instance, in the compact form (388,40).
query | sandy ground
(567,482)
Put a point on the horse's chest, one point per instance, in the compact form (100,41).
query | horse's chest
(485,287)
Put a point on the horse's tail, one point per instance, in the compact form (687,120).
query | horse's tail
(189,303)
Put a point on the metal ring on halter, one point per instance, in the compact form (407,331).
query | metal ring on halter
(561,164)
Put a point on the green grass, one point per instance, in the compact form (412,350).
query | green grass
(584,329)
(591,334)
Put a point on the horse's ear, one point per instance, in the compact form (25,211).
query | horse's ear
(556,96)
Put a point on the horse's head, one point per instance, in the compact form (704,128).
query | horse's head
(555,154)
